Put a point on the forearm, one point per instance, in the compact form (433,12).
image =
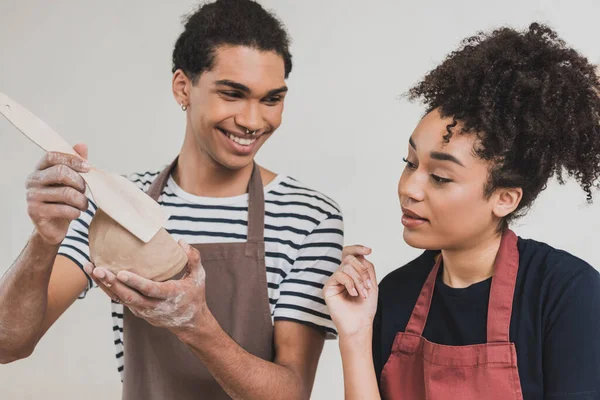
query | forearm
(241,374)
(360,381)
(24,299)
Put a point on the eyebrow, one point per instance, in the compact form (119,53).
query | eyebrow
(412,143)
(445,157)
(246,89)
(436,155)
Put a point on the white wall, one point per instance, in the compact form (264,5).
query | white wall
(99,72)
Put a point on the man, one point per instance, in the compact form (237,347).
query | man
(247,319)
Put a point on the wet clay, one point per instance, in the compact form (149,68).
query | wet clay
(116,249)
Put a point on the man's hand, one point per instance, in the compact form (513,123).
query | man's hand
(177,305)
(56,193)
(180,306)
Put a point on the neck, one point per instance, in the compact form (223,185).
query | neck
(466,266)
(199,174)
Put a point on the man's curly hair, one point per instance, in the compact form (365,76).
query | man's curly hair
(228,22)
(533,103)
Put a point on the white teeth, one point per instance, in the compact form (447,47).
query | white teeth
(243,142)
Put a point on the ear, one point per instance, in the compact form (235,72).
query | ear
(506,201)
(181,88)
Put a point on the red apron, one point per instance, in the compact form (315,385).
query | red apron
(418,369)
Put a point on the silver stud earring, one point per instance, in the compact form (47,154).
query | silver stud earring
(183,107)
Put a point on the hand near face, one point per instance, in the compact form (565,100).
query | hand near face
(351,292)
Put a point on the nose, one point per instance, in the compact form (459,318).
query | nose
(250,117)
(411,187)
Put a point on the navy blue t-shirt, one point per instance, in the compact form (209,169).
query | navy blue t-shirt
(555,323)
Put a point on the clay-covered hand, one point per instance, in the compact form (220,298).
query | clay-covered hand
(351,292)
(177,305)
(56,193)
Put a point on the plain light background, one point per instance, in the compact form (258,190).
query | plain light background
(99,72)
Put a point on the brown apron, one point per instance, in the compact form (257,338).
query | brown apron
(418,369)
(157,364)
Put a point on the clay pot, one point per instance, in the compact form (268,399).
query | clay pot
(114,248)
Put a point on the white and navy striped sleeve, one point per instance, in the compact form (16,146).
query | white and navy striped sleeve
(301,292)
(75,246)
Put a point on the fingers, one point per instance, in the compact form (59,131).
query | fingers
(194,263)
(127,295)
(356,274)
(370,271)
(359,283)
(56,191)
(115,289)
(192,253)
(365,269)
(341,278)
(89,270)
(82,150)
(56,175)
(73,162)
(54,195)
(355,250)
(48,212)
(144,286)
(360,270)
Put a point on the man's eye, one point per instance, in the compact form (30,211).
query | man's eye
(235,95)
(273,99)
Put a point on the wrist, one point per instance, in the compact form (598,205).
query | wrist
(38,242)
(358,339)
(199,330)
(39,251)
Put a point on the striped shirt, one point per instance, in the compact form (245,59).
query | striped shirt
(303,243)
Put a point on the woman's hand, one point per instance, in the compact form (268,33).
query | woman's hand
(351,292)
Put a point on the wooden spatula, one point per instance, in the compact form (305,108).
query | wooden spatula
(114,194)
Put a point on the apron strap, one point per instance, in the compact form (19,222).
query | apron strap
(256,207)
(157,186)
(418,318)
(502,290)
(256,199)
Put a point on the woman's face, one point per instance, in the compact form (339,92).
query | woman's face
(442,189)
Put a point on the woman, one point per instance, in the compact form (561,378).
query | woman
(483,314)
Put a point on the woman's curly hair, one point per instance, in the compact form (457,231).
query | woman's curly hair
(532,101)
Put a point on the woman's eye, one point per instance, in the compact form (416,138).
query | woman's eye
(409,164)
(439,179)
